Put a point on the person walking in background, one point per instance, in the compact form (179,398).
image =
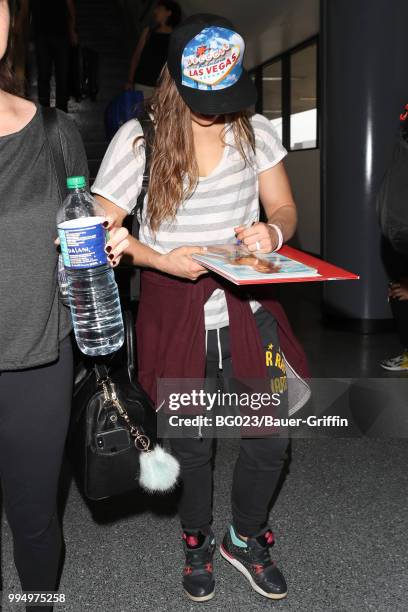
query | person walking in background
(150,53)
(54,30)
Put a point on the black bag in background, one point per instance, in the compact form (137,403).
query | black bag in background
(84,73)
(392,200)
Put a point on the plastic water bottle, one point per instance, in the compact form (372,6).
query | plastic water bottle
(92,289)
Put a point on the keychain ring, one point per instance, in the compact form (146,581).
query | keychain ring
(139,443)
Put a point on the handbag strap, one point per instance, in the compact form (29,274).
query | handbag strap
(148,133)
(130,339)
(101,371)
(101,365)
(53,136)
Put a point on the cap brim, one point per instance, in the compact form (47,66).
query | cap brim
(232,99)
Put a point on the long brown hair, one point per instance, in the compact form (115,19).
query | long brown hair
(8,81)
(174,170)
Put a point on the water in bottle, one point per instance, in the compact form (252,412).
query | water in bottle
(93,293)
(63,281)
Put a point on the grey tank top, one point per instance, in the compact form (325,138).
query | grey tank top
(33,321)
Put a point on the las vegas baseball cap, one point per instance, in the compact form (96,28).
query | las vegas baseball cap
(205,59)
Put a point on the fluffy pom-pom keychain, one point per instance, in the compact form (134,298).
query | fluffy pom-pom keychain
(158,470)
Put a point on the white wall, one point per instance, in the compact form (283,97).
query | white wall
(303,168)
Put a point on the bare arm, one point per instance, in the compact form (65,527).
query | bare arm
(116,214)
(137,253)
(177,263)
(277,199)
(134,62)
(72,22)
(280,209)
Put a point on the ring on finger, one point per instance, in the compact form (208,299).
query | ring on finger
(257,246)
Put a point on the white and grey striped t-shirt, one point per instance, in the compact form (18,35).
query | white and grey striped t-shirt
(225,199)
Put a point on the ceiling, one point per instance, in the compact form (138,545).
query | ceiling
(268,26)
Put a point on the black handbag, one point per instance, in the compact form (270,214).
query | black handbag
(112,441)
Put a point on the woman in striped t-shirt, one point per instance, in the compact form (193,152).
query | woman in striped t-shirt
(211,163)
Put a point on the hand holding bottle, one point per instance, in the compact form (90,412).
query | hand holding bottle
(90,281)
(117,244)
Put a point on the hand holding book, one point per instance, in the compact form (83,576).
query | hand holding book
(258,237)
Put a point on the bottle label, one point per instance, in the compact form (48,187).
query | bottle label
(83,243)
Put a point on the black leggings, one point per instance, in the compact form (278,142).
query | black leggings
(34,414)
(259,462)
(53,50)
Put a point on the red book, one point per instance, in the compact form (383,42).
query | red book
(326,270)
(289,265)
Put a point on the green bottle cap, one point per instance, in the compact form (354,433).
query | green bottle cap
(76,182)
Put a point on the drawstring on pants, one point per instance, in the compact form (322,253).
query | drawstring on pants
(219,350)
(219,363)
(218,344)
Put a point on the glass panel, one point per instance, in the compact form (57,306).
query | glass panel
(272,94)
(303,112)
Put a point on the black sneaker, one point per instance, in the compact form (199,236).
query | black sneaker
(198,579)
(252,559)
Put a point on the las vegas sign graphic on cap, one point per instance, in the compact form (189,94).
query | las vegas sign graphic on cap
(213,59)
